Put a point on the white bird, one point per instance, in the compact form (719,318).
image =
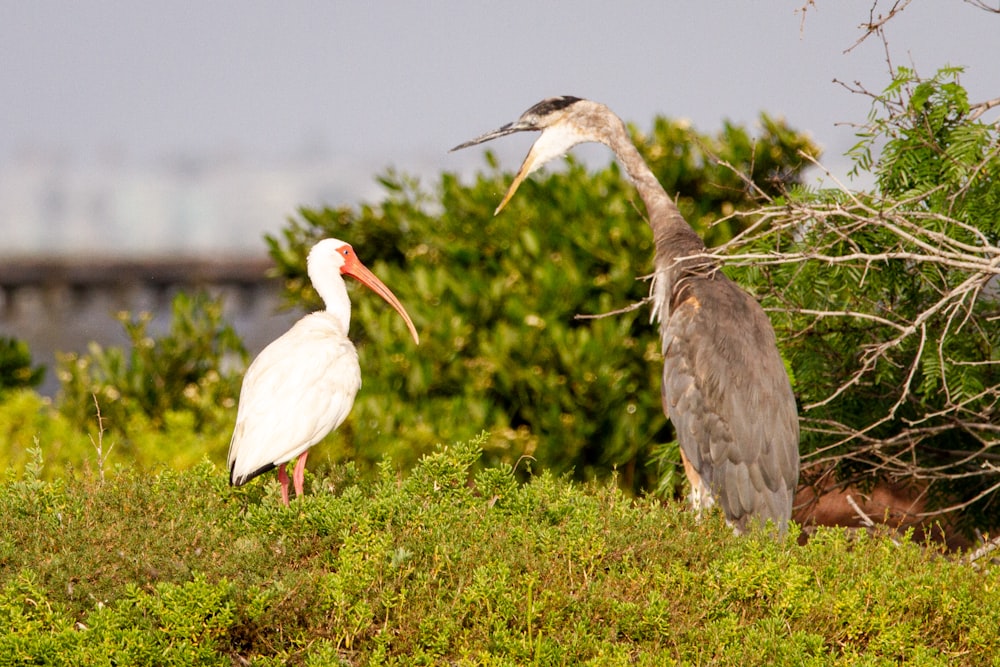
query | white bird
(302,385)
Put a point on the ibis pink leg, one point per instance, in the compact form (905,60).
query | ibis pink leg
(299,475)
(283,478)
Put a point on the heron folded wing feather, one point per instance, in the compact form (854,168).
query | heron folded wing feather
(727,394)
(681,394)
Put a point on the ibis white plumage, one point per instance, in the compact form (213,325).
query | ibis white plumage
(302,385)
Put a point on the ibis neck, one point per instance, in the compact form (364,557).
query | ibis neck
(332,289)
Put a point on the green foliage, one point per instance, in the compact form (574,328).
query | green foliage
(28,420)
(496,300)
(159,388)
(935,157)
(174,624)
(454,563)
(901,379)
(15,365)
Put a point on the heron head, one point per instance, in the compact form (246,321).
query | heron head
(559,119)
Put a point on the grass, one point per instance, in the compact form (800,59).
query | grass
(449,566)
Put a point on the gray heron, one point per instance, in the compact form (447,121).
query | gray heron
(725,388)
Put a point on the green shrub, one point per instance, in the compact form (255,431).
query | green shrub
(455,563)
(887,306)
(160,392)
(27,421)
(16,370)
(173,624)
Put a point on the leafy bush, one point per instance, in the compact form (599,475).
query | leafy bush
(174,624)
(454,563)
(15,365)
(887,301)
(496,300)
(183,383)
(29,421)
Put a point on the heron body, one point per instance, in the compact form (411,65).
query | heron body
(725,388)
(303,384)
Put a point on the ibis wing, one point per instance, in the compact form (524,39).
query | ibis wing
(296,391)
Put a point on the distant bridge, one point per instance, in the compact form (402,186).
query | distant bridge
(62,304)
(90,273)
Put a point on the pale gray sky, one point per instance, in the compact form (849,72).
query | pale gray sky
(398,83)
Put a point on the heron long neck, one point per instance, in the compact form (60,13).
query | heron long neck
(672,235)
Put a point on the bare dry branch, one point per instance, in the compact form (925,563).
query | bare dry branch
(865,519)
(619,311)
(957,262)
(962,505)
(802,10)
(981,4)
(984,550)
(876,22)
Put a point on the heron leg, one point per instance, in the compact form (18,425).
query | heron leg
(283,478)
(299,475)
(700,498)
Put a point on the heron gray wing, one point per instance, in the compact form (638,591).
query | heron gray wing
(727,394)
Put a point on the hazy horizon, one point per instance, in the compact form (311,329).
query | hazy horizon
(121,107)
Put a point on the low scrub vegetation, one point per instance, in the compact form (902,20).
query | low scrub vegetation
(454,564)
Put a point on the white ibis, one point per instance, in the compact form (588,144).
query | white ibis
(724,384)
(302,385)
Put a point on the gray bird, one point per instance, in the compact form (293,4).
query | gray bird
(725,388)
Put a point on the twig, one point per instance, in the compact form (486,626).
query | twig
(875,24)
(962,505)
(802,10)
(866,520)
(620,311)
(981,4)
(987,548)
(102,456)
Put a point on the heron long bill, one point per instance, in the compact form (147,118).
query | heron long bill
(354,268)
(526,166)
(522,173)
(555,141)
